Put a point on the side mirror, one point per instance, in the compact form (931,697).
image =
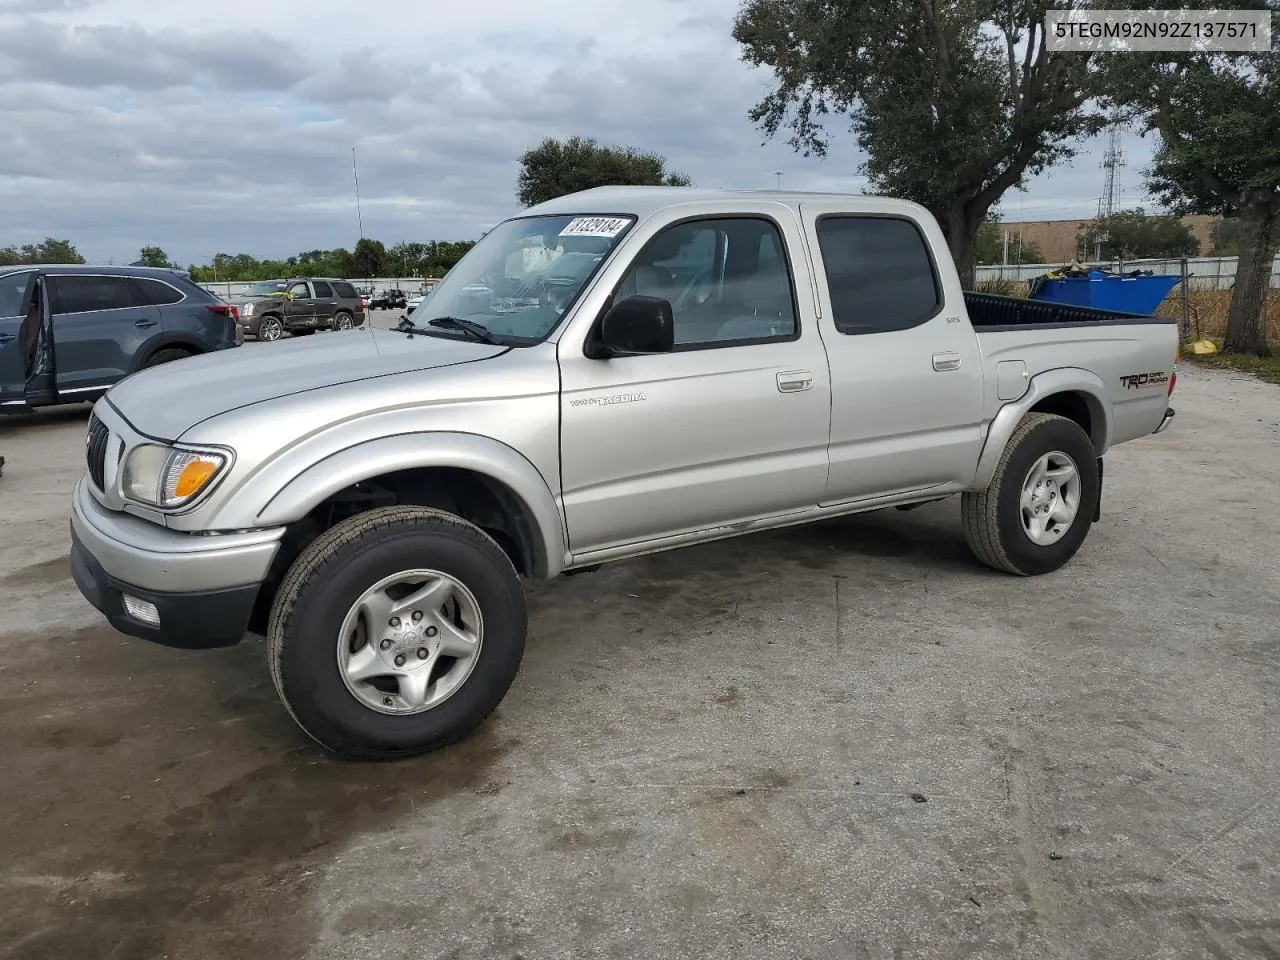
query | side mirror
(634,327)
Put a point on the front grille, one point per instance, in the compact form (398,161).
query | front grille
(96,451)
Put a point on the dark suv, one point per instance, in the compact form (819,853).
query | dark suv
(67,333)
(270,308)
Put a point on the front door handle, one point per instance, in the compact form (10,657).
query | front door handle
(793,381)
(6,337)
(950,360)
(144,323)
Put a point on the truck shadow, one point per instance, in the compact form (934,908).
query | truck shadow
(165,797)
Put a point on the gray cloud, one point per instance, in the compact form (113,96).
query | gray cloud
(238,138)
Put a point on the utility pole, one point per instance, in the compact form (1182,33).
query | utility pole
(1112,160)
(778,174)
(1006,248)
(355,172)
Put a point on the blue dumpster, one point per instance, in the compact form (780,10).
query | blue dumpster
(1107,291)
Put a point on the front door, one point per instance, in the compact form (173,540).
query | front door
(299,306)
(906,370)
(99,330)
(326,302)
(26,353)
(729,427)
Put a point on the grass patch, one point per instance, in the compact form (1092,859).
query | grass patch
(1264,368)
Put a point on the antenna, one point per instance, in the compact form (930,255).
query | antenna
(1112,160)
(355,172)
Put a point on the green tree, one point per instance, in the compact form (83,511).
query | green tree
(989,244)
(154,257)
(1218,118)
(1133,235)
(369,258)
(1226,237)
(953,103)
(554,168)
(49,250)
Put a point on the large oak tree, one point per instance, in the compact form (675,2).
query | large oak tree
(953,102)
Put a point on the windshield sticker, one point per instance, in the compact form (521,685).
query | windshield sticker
(595,227)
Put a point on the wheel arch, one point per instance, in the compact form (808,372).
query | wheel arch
(1071,392)
(434,466)
(168,341)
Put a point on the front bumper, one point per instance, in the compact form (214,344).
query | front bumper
(202,588)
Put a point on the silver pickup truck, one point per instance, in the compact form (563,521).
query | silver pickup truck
(613,373)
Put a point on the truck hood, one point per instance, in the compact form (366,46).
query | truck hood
(165,401)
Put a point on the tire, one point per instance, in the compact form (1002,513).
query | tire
(270,328)
(342,320)
(373,718)
(1001,533)
(166,356)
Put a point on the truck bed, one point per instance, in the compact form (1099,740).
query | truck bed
(990,310)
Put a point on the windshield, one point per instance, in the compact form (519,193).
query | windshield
(266,288)
(523,275)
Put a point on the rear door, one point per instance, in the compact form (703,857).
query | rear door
(99,329)
(325,300)
(906,369)
(15,299)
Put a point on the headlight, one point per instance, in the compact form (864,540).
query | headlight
(164,477)
(246,310)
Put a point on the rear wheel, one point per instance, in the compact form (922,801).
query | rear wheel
(271,328)
(396,632)
(342,321)
(1036,511)
(166,356)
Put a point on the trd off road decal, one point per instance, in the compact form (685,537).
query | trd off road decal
(1135,381)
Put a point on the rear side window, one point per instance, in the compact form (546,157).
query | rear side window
(154,291)
(879,273)
(84,294)
(15,290)
(345,290)
(322,289)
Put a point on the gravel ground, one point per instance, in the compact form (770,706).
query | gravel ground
(846,740)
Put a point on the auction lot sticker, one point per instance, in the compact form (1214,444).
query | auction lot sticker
(595,227)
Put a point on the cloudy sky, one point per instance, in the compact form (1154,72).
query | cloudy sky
(229,126)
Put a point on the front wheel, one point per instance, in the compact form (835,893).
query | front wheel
(396,632)
(270,328)
(1036,511)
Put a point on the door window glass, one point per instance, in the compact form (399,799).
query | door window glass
(15,291)
(727,281)
(73,294)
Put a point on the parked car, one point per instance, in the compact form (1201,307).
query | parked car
(727,362)
(67,333)
(271,308)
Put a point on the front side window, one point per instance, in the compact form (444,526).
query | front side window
(522,276)
(15,293)
(299,291)
(73,294)
(727,281)
(879,274)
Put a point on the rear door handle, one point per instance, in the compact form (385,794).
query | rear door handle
(144,323)
(950,360)
(794,381)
